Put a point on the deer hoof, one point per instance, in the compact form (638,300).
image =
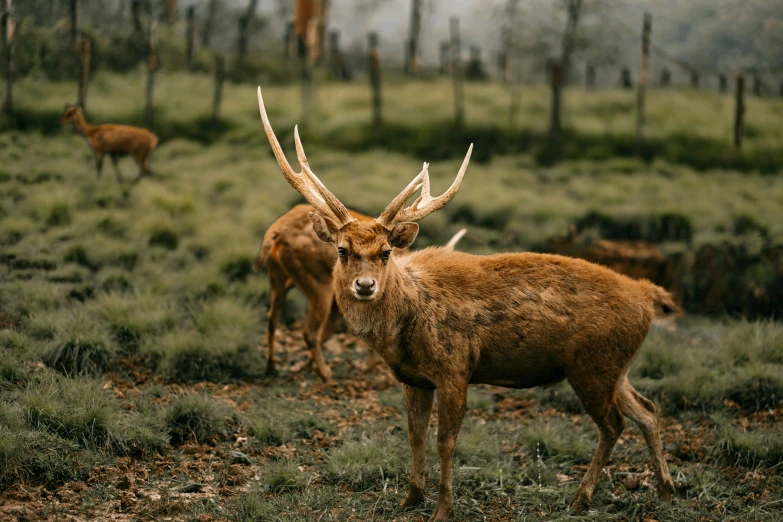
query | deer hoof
(441,514)
(271,371)
(414,498)
(666,490)
(579,505)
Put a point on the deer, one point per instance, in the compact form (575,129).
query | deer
(443,320)
(115,140)
(295,257)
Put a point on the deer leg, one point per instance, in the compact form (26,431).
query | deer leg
(117,171)
(99,162)
(451,410)
(278,291)
(642,411)
(600,402)
(418,402)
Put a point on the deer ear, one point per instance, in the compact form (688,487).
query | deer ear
(403,234)
(325,228)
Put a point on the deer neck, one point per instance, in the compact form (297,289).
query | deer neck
(380,322)
(81,125)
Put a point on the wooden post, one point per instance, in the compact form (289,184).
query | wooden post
(625,78)
(557,84)
(695,79)
(190,38)
(136,16)
(84,71)
(456,72)
(756,84)
(245,22)
(445,65)
(209,22)
(374,62)
(9,27)
(152,67)
(54,7)
(666,77)
(641,88)
(74,23)
(172,11)
(723,84)
(590,77)
(220,75)
(412,54)
(739,112)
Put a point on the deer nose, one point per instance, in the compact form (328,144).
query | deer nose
(364,286)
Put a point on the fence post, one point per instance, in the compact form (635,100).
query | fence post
(590,77)
(625,78)
(456,72)
(412,49)
(374,61)
(220,75)
(172,11)
(74,23)
(557,84)
(444,58)
(756,84)
(190,38)
(695,79)
(666,77)
(152,66)
(739,113)
(9,27)
(84,71)
(641,88)
(723,84)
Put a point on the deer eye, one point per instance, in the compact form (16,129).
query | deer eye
(342,252)
(386,254)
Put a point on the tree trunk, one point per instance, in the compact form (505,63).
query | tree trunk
(245,22)
(190,38)
(209,22)
(74,23)
(220,74)
(739,112)
(172,11)
(84,71)
(54,7)
(9,27)
(456,72)
(509,42)
(375,82)
(573,13)
(152,68)
(641,88)
(136,16)
(557,84)
(414,34)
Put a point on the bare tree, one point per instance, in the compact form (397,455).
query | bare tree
(412,49)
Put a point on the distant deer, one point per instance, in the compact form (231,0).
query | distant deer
(295,257)
(443,320)
(114,140)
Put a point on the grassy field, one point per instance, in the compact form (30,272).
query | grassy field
(131,380)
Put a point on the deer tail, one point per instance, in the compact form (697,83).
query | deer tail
(454,240)
(263,253)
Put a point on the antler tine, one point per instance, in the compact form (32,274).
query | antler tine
(393,208)
(337,208)
(304,184)
(426,204)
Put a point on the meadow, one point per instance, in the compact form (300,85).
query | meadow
(131,324)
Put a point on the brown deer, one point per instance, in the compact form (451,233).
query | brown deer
(444,320)
(295,257)
(114,140)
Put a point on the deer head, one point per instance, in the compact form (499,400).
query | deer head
(72,112)
(364,247)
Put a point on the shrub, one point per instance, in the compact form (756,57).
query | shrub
(284,476)
(751,448)
(82,344)
(196,417)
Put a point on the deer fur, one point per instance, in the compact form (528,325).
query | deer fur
(295,257)
(114,140)
(444,320)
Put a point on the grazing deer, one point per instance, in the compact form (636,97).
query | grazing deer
(294,256)
(444,320)
(114,140)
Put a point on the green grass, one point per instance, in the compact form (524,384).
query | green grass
(196,417)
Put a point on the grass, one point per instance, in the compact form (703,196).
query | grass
(130,319)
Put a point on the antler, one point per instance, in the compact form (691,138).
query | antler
(305,182)
(393,208)
(426,204)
